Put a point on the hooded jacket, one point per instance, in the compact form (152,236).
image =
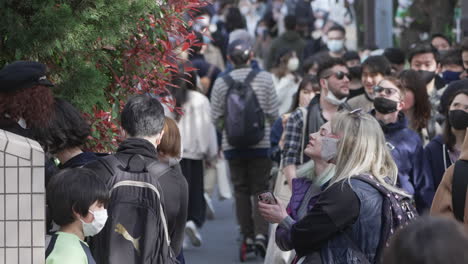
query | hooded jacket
(406,148)
(442,204)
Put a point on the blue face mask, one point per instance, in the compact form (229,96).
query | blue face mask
(450,76)
(206,39)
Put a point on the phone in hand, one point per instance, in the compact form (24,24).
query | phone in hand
(267,197)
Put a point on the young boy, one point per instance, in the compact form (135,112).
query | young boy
(76,198)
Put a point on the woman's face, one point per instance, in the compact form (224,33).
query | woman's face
(409,100)
(306,95)
(460,102)
(314,147)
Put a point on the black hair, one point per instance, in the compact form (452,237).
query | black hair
(290,22)
(308,79)
(377,64)
(199,40)
(411,80)
(453,56)
(328,64)
(65,129)
(74,190)
(234,19)
(421,48)
(315,59)
(440,35)
(181,82)
(143,116)
(337,27)
(351,55)
(448,136)
(394,55)
(428,240)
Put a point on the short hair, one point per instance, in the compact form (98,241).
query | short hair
(74,190)
(143,116)
(421,48)
(328,64)
(452,57)
(290,22)
(377,64)
(337,27)
(397,82)
(394,55)
(440,35)
(428,240)
(351,55)
(65,129)
(171,141)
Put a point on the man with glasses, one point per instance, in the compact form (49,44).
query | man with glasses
(334,89)
(404,144)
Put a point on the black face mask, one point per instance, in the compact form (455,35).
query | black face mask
(355,72)
(458,119)
(426,76)
(385,106)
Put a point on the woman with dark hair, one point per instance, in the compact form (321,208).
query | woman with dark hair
(445,149)
(417,107)
(234,19)
(199,144)
(285,77)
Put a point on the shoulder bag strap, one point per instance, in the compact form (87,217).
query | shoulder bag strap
(459,185)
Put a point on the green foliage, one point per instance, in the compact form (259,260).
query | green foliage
(77,39)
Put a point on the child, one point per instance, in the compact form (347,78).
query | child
(77,199)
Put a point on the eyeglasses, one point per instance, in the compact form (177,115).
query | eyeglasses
(339,75)
(387,91)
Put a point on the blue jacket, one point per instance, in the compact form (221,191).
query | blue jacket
(434,165)
(407,151)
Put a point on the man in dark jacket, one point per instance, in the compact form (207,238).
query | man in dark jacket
(143,120)
(290,39)
(404,144)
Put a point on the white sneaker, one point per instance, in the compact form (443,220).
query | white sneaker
(192,232)
(210,211)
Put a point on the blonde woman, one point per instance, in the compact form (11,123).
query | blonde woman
(345,223)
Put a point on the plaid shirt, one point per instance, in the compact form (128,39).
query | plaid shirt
(293,139)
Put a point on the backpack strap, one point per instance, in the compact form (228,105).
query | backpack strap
(459,187)
(248,79)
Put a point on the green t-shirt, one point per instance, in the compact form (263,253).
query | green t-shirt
(68,248)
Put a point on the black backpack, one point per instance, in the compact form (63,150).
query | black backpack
(397,212)
(136,230)
(244,119)
(459,188)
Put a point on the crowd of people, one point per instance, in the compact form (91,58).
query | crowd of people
(332,153)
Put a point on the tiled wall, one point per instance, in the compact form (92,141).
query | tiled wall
(22,200)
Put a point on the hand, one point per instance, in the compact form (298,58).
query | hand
(273,213)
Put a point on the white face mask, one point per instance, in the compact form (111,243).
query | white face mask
(293,64)
(335,45)
(329,149)
(244,10)
(93,228)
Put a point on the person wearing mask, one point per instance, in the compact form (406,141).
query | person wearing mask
(445,149)
(199,145)
(444,240)
(396,57)
(77,199)
(353,62)
(334,88)
(452,65)
(290,39)
(285,77)
(374,70)
(249,166)
(336,37)
(357,147)
(417,108)
(464,49)
(405,144)
(441,42)
(424,58)
(174,186)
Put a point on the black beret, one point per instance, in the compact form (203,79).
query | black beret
(22,74)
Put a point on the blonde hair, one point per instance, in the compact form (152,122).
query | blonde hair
(362,149)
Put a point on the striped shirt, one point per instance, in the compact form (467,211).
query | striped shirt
(263,87)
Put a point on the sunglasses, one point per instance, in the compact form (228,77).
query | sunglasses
(387,91)
(340,75)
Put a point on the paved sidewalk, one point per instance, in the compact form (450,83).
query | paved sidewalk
(220,239)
